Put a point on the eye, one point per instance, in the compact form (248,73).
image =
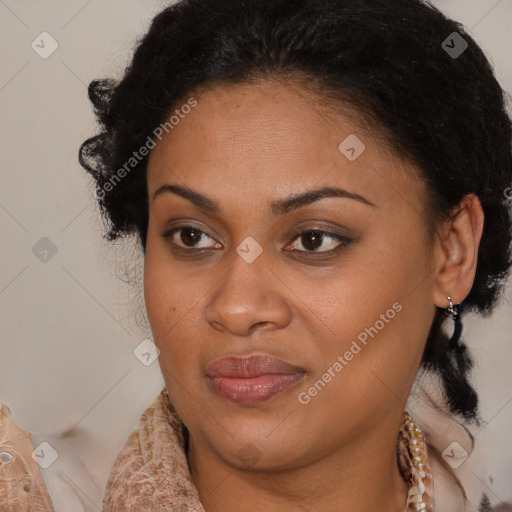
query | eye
(188,237)
(313,239)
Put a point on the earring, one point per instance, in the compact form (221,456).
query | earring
(453,311)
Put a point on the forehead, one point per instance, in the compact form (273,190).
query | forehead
(269,139)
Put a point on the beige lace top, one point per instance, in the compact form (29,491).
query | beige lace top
(150,473)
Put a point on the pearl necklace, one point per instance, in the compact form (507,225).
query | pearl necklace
(414,466)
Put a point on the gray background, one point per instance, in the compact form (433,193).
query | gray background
(70,324)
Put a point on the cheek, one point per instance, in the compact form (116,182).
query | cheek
(156,291)
(162,296)
(376,313)
(171,303)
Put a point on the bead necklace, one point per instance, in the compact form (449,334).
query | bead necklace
(414,466)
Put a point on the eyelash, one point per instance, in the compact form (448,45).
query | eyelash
(344,241)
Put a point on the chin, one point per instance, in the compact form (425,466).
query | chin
(251,447)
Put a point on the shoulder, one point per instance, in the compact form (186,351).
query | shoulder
(20,476)
(128,468)
(131,484)
(448,495)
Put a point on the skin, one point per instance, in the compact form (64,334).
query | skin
(245,146)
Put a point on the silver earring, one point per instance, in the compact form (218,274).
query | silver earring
(453,311)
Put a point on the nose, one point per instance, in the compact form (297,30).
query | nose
(249,298)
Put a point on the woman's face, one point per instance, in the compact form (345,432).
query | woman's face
(339,319)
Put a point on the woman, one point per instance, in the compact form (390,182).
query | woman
(320,190)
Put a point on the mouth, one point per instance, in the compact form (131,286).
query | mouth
(252,379)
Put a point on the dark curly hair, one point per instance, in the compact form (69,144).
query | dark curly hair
(444,112)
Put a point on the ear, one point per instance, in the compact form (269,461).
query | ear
(456,252)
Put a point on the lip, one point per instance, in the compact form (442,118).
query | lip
(253,379)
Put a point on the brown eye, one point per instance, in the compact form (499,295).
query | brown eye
(313,239)
(189,237)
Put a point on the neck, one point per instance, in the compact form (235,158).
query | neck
(362,476)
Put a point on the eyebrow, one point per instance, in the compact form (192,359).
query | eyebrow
(278,207)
